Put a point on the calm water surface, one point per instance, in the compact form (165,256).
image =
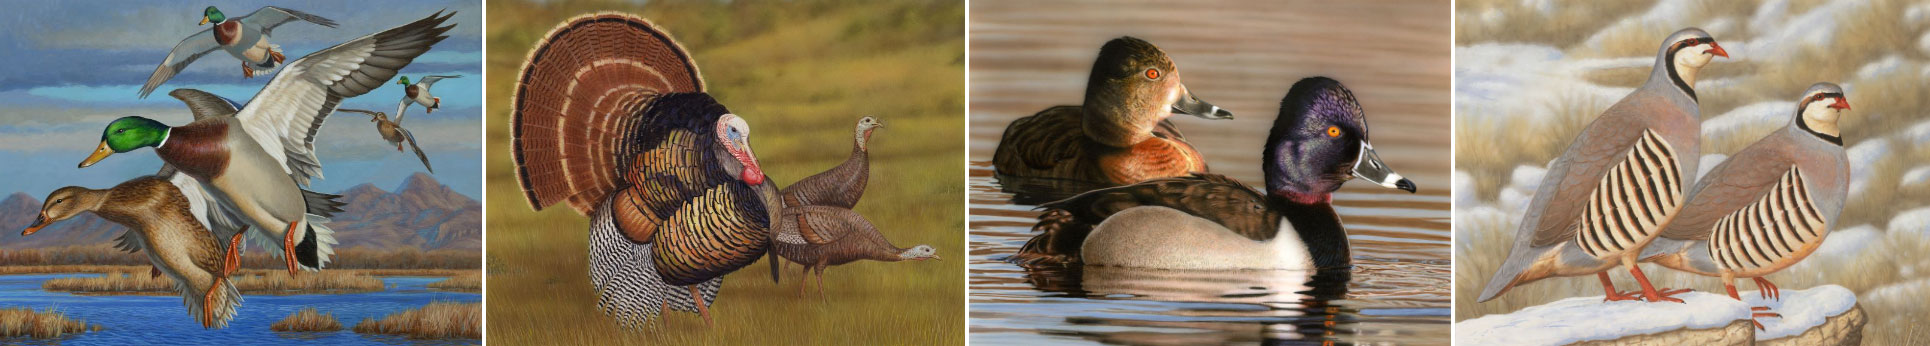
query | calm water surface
(162,320)
(1243,56)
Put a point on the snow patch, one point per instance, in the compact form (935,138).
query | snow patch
(1463,185)
(1748,123)
(1521,188)
(1847,243)
(1777,37)
(1707,164)
(1865,154)
(1916,177)
(1497,82)
(1917,134)
(1880,68)
(1916,16)
(1913,221)
(1580,319)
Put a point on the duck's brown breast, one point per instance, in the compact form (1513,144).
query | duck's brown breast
(198,149)
(227,33)
(1151,159)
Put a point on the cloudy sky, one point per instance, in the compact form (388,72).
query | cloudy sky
(72,67)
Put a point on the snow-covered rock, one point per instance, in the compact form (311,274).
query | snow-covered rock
(1881,67)
(1846,243)
(1865,154)
(1821,315)
(1464,184)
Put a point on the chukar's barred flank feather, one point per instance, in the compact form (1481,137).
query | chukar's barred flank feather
(1780,226)
(583,84)
(1638,196)
(625,275)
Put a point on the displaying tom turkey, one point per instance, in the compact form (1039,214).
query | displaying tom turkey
(611,118)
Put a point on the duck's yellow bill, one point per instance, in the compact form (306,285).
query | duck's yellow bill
(204,21)
(100,152)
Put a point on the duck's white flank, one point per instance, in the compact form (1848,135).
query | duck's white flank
(1166,238)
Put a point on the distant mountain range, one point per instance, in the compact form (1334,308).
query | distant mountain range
(421,213)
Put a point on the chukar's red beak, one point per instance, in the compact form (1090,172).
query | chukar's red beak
(1841,103)
(1717,50)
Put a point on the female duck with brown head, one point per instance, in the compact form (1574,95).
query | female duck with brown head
(1119,136)
(171,227)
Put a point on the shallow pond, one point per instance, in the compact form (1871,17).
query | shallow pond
(156,319)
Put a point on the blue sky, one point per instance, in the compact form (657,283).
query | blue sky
(72,67)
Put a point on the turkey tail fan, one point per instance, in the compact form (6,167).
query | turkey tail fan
(577,97)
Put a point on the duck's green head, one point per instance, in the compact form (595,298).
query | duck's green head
(403,81)
(126,134)
(212,15)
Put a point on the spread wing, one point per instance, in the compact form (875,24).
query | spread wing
(269,17)
(204,104)
(418,150)
(191,48)
(287,113)
(430,81)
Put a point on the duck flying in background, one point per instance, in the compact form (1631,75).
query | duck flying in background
(245,38)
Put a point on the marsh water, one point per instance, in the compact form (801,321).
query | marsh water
(1242,56)
(161,320)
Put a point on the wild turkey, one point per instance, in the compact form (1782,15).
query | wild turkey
(611,117)
(840,186)
(821,236)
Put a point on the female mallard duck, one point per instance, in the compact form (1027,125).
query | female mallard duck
(418,93)
(244,37)
(823,236)
(256,161)
(843,185)
(1119,136)
(393,132)
(172,229)
(1209,221)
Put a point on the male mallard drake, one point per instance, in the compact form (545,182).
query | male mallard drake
(1120,135)
(393,132)
(172,227)
(1767,207)
(418,93)
(1619,183)
(1208,221)
(256,161)
(839,186)
(244,37)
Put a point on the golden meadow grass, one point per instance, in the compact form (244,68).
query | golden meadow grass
(801,73)
(307,320)
(18,322)
(1490,146)
(438,320)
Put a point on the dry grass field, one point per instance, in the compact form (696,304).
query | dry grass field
(1877,49)
(18,322)
(307,320)
(439,320)
(801,73)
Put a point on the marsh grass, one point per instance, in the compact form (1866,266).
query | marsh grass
(801,72)
(18,322)
(1889,275)
(470,282)
(350,258)
(307,320)
(438,320)
(250,281)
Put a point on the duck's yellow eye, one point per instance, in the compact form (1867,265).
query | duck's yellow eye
(1333,131)
(1152,73)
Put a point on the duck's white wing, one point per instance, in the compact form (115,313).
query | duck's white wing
(401,107)
(193,47)
(269,17)
(287,113)
(203,205)
(430,81)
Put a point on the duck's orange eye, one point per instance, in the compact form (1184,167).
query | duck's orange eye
(1152,73)
(1333,131)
